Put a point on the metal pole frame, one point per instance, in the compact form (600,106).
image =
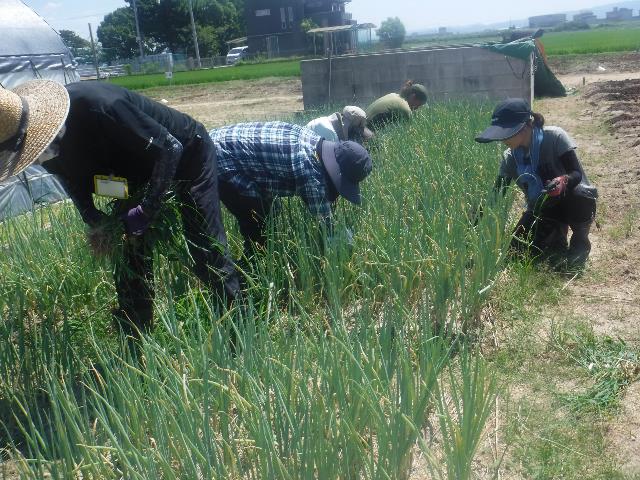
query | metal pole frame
(138,36)
(195,35)
(95,55)
(532,80)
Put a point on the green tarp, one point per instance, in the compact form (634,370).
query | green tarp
(546,84)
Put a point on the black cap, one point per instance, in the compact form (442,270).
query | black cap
(347,163)
(508,119)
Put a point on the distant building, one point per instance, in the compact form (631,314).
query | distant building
(618,14)
(547,21)
(585,17)
(442,31)
(274,26)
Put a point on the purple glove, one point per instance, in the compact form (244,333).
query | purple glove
(135,221)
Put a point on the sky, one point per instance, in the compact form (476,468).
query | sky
(423,14)
(415,14)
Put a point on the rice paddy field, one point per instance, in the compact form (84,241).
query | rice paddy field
(595,40)
(347,351)
(287,68)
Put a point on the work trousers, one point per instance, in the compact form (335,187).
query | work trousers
(545,228)
(250,212)
(197,191)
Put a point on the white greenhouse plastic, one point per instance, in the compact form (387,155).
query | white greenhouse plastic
(23,192)
(30,48)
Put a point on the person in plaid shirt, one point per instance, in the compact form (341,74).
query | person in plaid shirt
(260,162)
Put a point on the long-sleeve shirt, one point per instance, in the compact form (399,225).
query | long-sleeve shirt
(271,160)
(388,109)
(557,158)
(114,132)
(330,128)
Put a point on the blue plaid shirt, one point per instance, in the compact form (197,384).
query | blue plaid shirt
(271,160)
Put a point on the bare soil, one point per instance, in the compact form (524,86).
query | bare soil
(217,104)
(611,62)
(603,119)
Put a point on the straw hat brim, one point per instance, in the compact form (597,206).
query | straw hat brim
(48,109)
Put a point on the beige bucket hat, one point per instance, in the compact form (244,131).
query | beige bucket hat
(356,117)
(31,115)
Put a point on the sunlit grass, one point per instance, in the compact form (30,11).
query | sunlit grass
(595,40)
(345,351)
(288,68)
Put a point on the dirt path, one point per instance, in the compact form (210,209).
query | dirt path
(217,104)
(575,81)
(608,294)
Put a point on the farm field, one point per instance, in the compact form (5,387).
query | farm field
(342,351)
(288,68)
(594,40)
(606,39)
(223,103)
(346,350)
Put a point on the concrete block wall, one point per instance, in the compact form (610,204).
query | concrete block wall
(461,72)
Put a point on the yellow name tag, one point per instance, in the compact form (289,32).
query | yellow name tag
(113,187)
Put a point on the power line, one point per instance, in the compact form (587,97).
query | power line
(82,16)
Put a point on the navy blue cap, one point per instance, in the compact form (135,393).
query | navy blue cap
(508,118)
(347,163)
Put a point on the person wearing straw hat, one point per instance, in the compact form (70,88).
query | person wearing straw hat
(542,161)
(105,140)
(351,124)
(396,107)
(261,162)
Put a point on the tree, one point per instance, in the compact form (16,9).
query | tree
(305,25)
(392,32)
(117,34)
(72,40)
(166,24)
(80,48)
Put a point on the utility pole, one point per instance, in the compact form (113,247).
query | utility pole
(195,35)
(138,36)
(95,56)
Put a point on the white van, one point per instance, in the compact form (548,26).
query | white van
(236,54)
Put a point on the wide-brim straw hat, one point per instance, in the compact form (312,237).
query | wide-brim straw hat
(31,115)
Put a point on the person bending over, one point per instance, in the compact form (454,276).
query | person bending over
(348,125)
(396,107)
(104,140)
(261,162)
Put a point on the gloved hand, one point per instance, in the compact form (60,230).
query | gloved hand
(135,221)
(557,186)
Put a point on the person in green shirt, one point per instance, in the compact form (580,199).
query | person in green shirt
(396,107)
